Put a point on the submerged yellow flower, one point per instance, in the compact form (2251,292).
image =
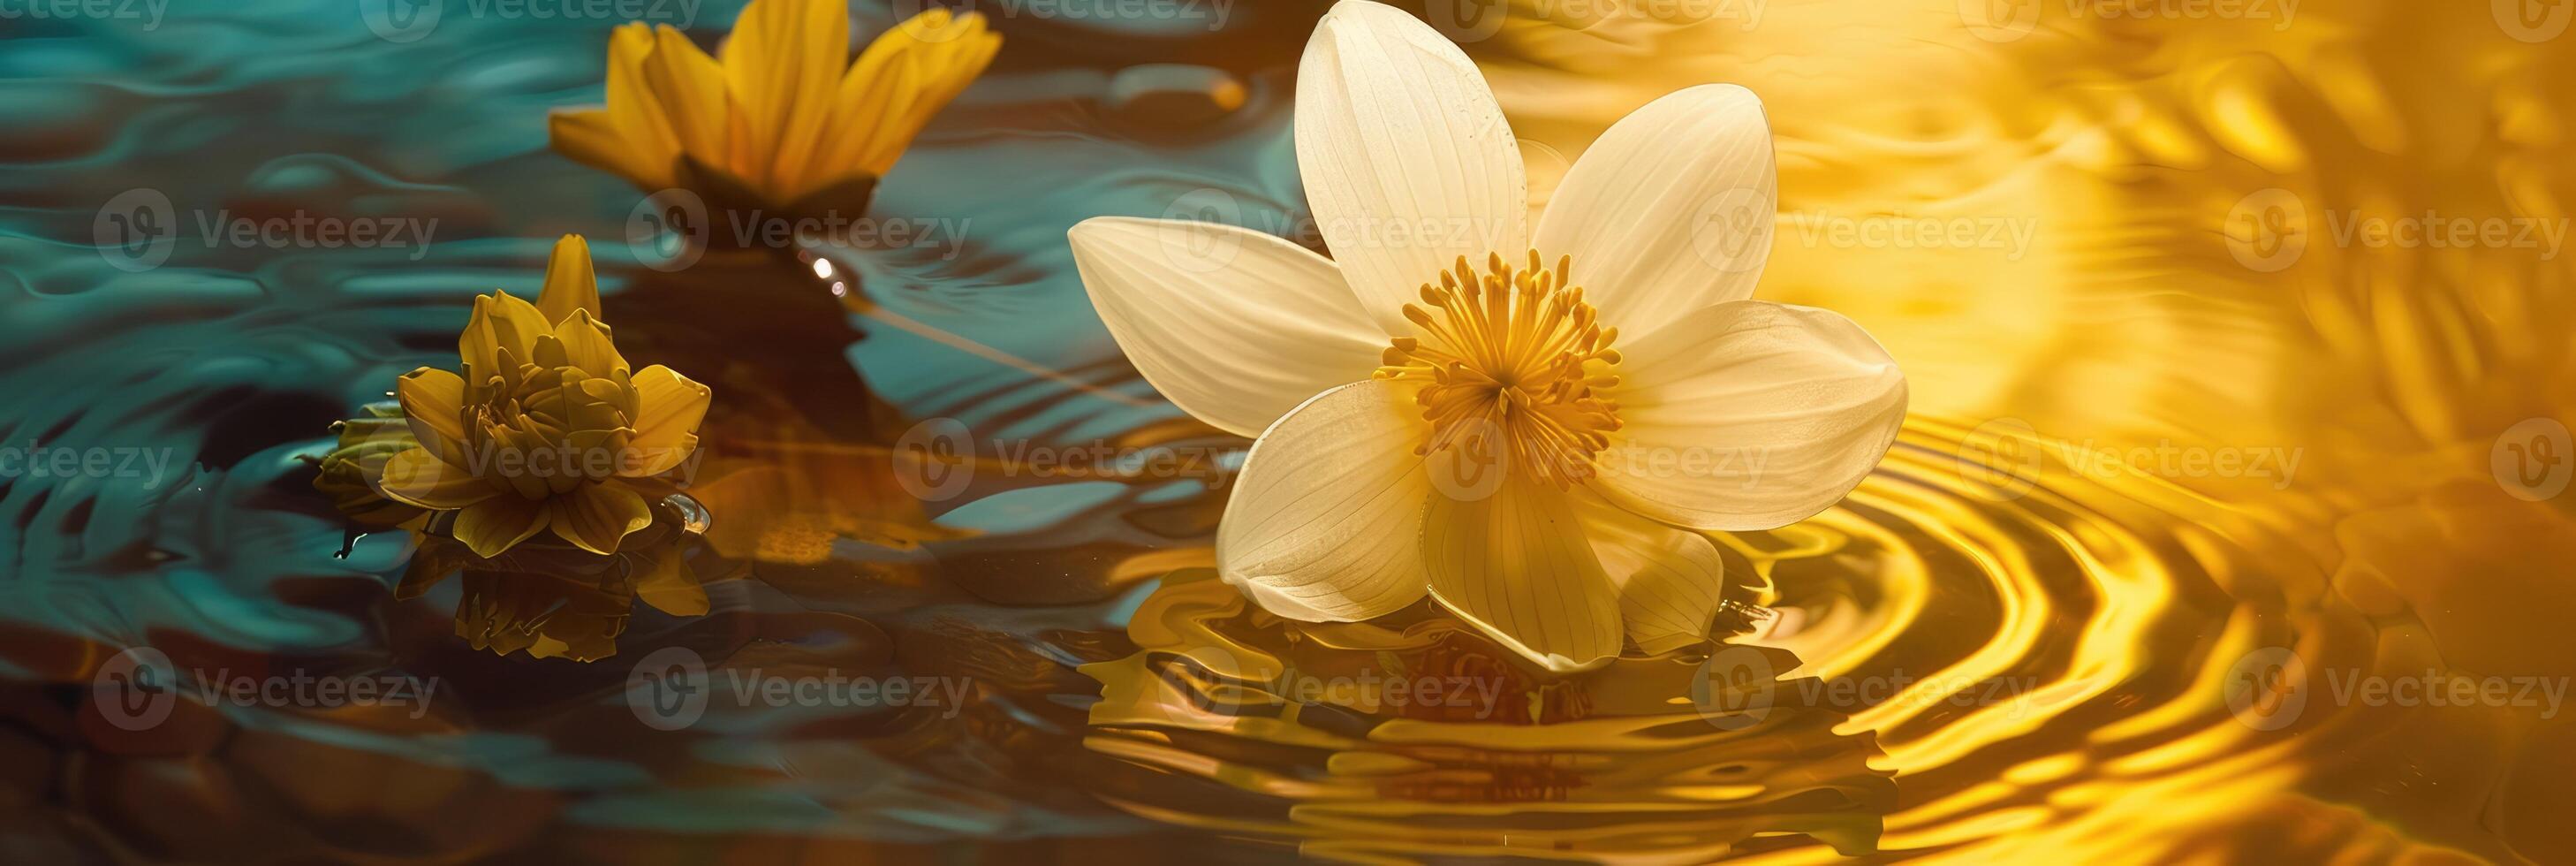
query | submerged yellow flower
(1530,424)
(784,114)
(547,428)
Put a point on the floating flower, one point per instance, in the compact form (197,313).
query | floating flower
(784,119)
(1597,389)
(548,428)
(351,472)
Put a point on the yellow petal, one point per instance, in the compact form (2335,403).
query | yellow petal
(904,77)
(500,324)
(1325,521)
(636,112)
(666,427)
(1519,565)
(499,523)
(670,586)
(690,88)
(420,478)
(782,63)
(570,284)
(596,517)
(433,404)
(581,343)
(591,137)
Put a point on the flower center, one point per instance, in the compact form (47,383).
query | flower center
(1516,355)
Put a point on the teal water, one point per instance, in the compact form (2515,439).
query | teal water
(227,361)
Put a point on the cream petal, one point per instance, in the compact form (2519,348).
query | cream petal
(1408,162)
(1234,326)
(1669,580)
(1519,565)
(1669,211)
(1324,519)
(1750,415)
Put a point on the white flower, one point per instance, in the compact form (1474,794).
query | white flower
(1446,338)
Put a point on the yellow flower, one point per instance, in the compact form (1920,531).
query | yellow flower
(351,472)
(1598,388)
(548,428)
(777,118)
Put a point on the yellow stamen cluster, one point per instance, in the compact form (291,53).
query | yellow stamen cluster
(1513,353)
